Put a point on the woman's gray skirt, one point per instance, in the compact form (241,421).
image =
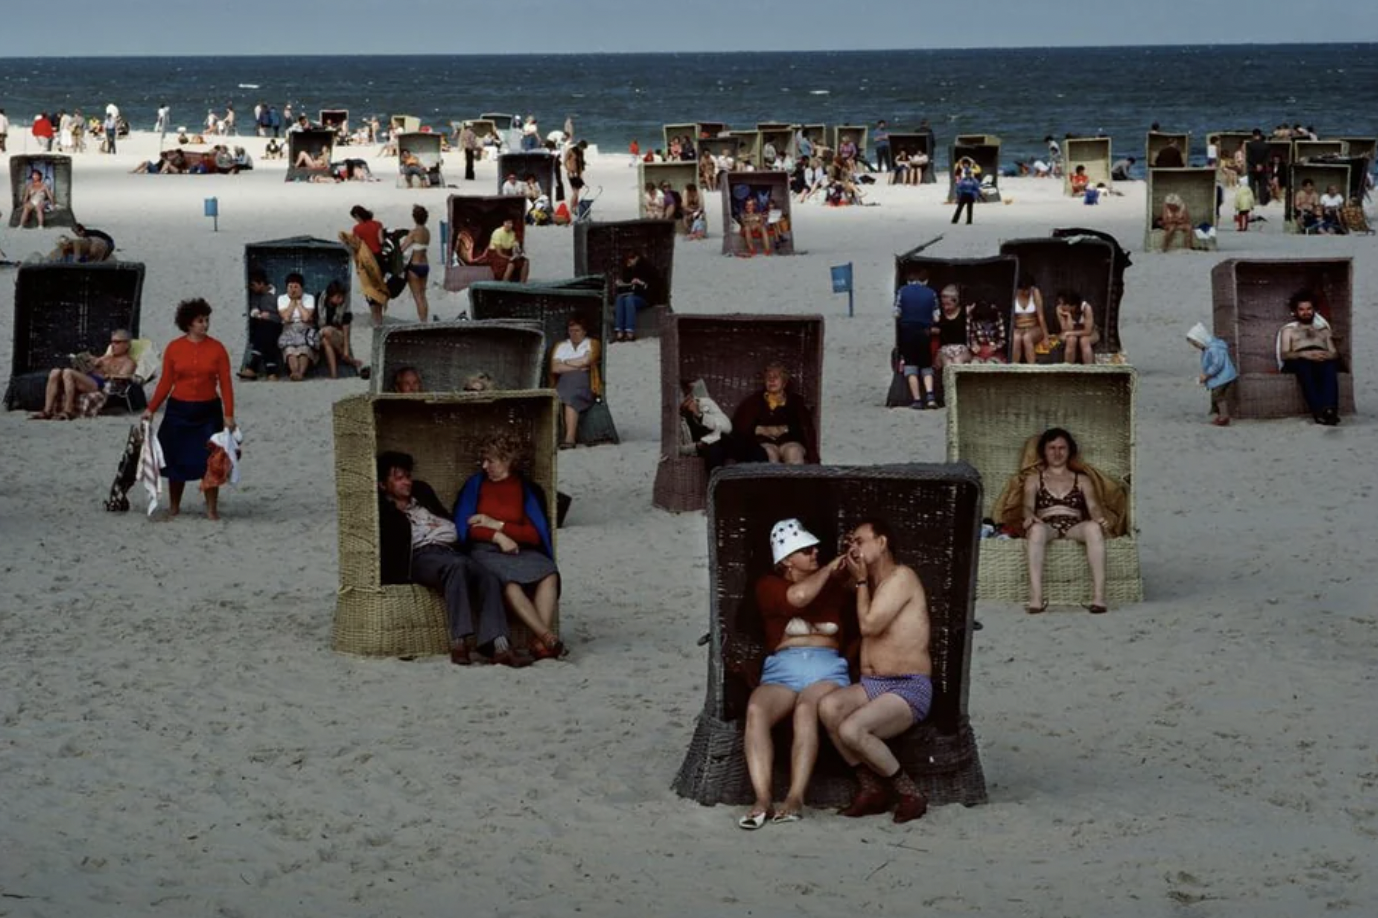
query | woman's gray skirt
(527,566)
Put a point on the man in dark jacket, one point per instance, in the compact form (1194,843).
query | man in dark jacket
(1257,154)
(419,545)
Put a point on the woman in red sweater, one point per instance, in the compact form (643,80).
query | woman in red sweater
(501,519)
(194,367)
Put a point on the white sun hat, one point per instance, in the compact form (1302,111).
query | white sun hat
(1199,335)
(789,536)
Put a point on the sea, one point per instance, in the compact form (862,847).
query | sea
(1021,95)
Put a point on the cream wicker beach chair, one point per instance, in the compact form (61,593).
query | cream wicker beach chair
(992,411)
(449,354)
(443,434)
(1196,188)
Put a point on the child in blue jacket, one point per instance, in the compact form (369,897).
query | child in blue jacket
(1217,371)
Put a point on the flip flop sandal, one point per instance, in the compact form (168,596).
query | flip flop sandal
(752,821)
(785,817)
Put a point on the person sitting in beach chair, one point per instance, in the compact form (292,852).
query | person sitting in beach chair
(1306,349)
(38,199)
(774,424)
(335,323)
(704,429)
(575,376)
(319,160)
(87,374)
(1076,320)
(411,168)
(264,357)
(1306,207)
(406,380)
(505,251)
(1332,203)
(753,227)
(1080,180)
(1174,220)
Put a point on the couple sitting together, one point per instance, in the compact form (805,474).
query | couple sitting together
(772,425)
(820,619)
(496,546)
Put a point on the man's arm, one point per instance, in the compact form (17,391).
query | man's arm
(1288,340)
(876,613)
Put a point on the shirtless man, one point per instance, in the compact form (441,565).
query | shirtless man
(1306,347)
(67,384)
(1306,205)
(896,688)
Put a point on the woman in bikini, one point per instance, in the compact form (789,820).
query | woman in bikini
(415,244)
(1060,503)
(1029,324)
(37,196)
(1077,322)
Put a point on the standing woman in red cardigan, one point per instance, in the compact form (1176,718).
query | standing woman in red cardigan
(194,367)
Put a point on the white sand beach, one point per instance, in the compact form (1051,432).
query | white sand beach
(178,739)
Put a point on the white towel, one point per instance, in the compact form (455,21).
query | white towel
(229,442)
(150,466)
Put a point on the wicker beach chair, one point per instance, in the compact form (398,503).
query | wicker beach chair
(979,279)
(57,173)
(478,215)
(1250,307)
(601,248)
(1303,150)
(318,261)
(913,143)
(1157,141)
(1085,264)
(729,353)
(1322,174)
(771,192)
(992,411)
(449,354)
(543,164)
(1196,188)
(551,304)
(443,434)
(984,152)
(312,143)
(1091,152)
(66,309)
(857,134)
(935,512)
(678,174)
(1111,321)
(425,146)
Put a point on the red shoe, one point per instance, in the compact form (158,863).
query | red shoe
(868,802)
(540,650)
(910,807)
(512,659)
(1221,422)
(460,655)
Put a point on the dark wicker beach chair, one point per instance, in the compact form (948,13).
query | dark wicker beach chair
(1091,152)
(990,280)
(935,512)
(448,354)
(1250,307)
(1085,264)
(992,411)
(425,146)
(1110,340)
(912,143)
(601,248)
(771,192)
(479,216)
(1157,141)
(311,142)
(1196,188)
(729,353)
(543,164)
(318,261)
(551,304)
(57,173)
(66,309)
(984,153)
(443,434)
(1322,174)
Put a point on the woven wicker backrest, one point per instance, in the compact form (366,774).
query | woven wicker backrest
(333,118)
(678,174)
(762,185)
(1303,150)
(1323,174)
(1091,152)
(543,164)
(601,248)
(720,146)
(914,143)
(857,134)
(318,261)
(985,155)
(1280,148)
(1250,299)
(424,145)
(480,215)
(816,133)
(64,309)
(1360,147)
(57,174)
(448,354)
(551,304)
(781,136)
(405,124)
(1158,140)
(992,411)
(748,148)
(443,434)
(934,511)
(729,353)
(1086,266)
(1227,142)
(979,279)
(311,142)
(1196,187)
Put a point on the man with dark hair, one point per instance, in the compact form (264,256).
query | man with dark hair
(263,356)
(915,306)
(1170,156)
(880,144)
(1257,154)
(896,688)
(419,544)
(1306,348)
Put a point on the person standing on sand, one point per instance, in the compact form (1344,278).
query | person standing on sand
(4,130)
(160,126)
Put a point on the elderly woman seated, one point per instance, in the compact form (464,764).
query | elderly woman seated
(300,340)
(950,326)
(574,375)
(775,424)
(1056,495)
(1175,219)
(501,520)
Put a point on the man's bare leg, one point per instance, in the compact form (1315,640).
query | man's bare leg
(804,753)
(865,733)
(768,706)
(50,396)
(73,385)
(792,453)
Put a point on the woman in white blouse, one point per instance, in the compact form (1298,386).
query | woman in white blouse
(300,339)
(574,374)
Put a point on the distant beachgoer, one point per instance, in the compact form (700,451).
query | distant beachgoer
(415,244)
(1080,180)
(1175,220)
(1218,373)
(1119,170)
(37,196)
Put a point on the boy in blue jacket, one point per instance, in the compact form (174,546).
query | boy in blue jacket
(1217,371)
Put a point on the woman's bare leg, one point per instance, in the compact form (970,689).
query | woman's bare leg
(769,705)
(1092,536)
(523,608)
(212,503)
(174,497)
(792,454)
(772,452)
(1088,351)
(571,424)
(328,346)
(804,752)
(548,600)
(417,285)
(1037,539)
(376,311)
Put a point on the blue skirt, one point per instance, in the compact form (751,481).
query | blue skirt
(186,428)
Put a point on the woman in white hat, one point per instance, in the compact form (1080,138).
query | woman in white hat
(807,613)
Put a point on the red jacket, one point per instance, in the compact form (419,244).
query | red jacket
(42,127)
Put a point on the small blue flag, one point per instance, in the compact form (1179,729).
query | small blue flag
(212,207)
(842,278)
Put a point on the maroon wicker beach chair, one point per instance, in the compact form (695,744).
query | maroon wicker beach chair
(475,217)
(935,512)
(1250,299)
(601,248)
(729,353)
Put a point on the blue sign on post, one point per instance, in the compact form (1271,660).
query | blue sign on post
(213,211)
(445,238)
(842,283)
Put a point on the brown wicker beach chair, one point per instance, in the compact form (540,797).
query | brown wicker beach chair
(66,309)
(551,304)
(729,353)
(1085,264)
(601,248)
(57,173)
(1091,152)
(443,434)
(1196,188)
(763,187)
(311,142)
(992,411)
(987,279)
(985,152)
(318,261)
(448,355)
(478,216)
(1157,141)
(935,512)
(425,146)
(1250,307)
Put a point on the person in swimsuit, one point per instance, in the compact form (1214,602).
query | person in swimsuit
(1060,503)
(1306,349)
(753,225)
(335,321)
(415,243)
(67,384)
(37,196)
(1029,325)
(803,606)
(896,688)
(1077,323)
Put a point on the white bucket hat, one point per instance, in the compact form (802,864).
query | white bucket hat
(789,536)
(1199,335)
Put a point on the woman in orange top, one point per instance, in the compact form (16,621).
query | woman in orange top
(194,366)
